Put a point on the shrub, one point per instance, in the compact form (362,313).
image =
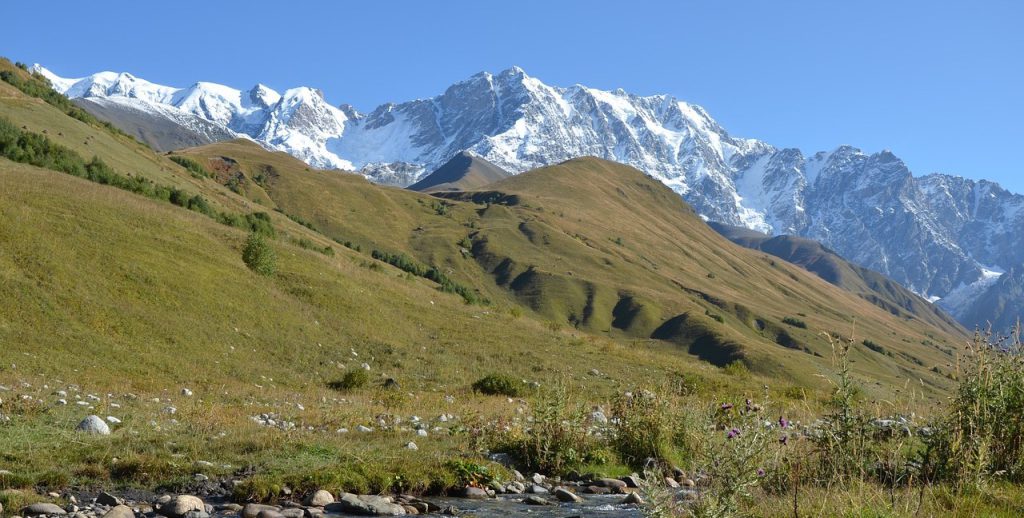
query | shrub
(557,441)
(985,427)
(353,378)
(258,255)
(795,322)
(644,428)
(195,168)
(499,385)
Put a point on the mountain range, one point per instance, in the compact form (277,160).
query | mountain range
(944,237)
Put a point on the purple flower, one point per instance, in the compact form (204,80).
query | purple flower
(760,472)
(783,423)
(783,439)
(735,432)
(749,404)
(726,406)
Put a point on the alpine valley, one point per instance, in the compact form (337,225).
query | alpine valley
(948,238)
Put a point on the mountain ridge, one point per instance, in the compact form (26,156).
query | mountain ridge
(944,232)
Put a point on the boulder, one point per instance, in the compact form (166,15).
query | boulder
(253,510)
(320,498)
(269,513)
(475,492)
(365,505)
(612,483)
(108,499)
(632,499)
(564,495)
(119,511)
(42,508)
(535,500)
(293,512)
(181,505)
(631,480)
(93,425)
(536,489)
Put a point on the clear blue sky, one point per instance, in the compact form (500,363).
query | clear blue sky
(938,82)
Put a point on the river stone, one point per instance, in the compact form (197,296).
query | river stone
(320,498)
(598,490)
(535,500)
(366,505)
(120,511)
(613,483)
(42,508)
(536,489)
(181,505)
(632,499)
(537,478)
(252,510)
(475,492)
(565,495)
(229,507)
(293,512)
(269,513)
(93,425)
(631,480)
(107,499)
(688,482)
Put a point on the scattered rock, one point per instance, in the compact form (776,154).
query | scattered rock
(294,512)
(186,392)
(537,478)
(412,446)
(632,499)
(671,482)
(320,498)
(120,511)
(535,500)
(93,425)
(43,508)
(598,490)
(688,482)
(537,489)
(631,480)
(269,513)
(564,495)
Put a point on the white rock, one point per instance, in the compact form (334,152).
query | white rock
(93,425)
(113,420)
(186,392)
(412,446)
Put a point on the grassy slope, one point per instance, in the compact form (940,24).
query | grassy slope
(871,285)
(601,247)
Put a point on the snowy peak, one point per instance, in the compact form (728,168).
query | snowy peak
(932,233)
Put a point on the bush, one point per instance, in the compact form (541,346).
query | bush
(557,442)
(795,322)
(195,168)
(353,379)
(499,385)
(984,431)
(258,255)
(645,428)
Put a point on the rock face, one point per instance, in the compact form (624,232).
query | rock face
(93,425)
(934,234)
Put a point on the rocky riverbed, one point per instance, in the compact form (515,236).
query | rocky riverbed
(535,496)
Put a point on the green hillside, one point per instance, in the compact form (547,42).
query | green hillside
(485,315)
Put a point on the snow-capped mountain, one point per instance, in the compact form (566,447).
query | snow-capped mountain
(935,234)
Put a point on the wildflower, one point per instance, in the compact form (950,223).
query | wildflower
(735,432)
(783,422)
(760,472)
(726,406)
(783,439)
